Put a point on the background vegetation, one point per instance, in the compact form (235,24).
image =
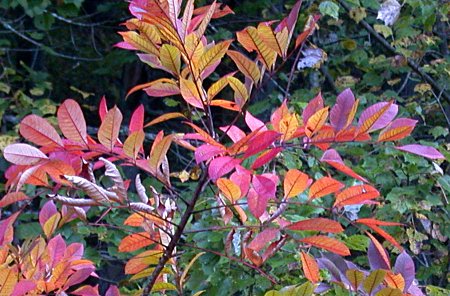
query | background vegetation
(52,50)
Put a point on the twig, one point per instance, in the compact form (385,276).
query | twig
(411,63)
(177,236)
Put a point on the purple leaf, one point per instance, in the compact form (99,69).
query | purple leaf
(47,211)
(384,118)
(375,259)
(405,265)
(425,151)
(341,110)
(56,248)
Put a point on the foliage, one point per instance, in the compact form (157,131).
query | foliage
(247,202)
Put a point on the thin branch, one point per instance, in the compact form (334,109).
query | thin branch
(46,48)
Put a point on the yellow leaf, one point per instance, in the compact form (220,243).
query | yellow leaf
(374,280)
(249,38)
(316,122)
(51,224)
(212,56)
(229,189)
(170,58)
(110,128)
(355,277)
(240,91)
(190,93)
(245,65)
(133,144)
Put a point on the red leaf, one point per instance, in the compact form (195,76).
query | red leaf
(110,128)
(368,221)
(263,238)
(317,224)
(23,154)
(343,112)
(327,243)
(256,204)
(11,198)
(260,142)
(137,120)
(354,195)
(71,121)
(242,178)
(334,159)
(38,131)
(324,186)
(266,157)
(425,151)
(221,166)
(310,267)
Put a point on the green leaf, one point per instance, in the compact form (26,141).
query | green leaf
(357,242)
(383,30)
(329,8)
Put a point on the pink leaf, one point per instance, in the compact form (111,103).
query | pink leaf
(86,291)
(260,142)
(78,277)
(425,151)
(313,106)
(233,132)
(6,229)
(206,152)
(23,154)
(102,108)
(47,211)
(112,291)
(264,186)
(56,248)
(256,204)
(339,114)
(23,287)
(221,166)
(137,120)
(254,123)
(241,178)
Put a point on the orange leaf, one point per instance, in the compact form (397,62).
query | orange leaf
(136,219)
(226,105)
(190,93)
(386,235)
(142,261)
(397,130)
(137,241)
(295,182)
(316,122)
(71,121)
(39,131)
(230,189)
(310,267)
(245,65)
(333,158)
(250,39)
(317,224)
(11,198)
(164,117)
(355,195)
(395,281)
(110,128)
(288,126)
(368,221)
(324,186)
(159,152)
(327,243)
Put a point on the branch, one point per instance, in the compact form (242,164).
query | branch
(177,236)
(45,47)
(411,63)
